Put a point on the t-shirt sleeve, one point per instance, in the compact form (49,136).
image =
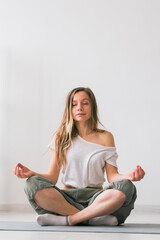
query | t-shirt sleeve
(52,144)
(112,157)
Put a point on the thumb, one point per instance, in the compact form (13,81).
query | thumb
(20,165)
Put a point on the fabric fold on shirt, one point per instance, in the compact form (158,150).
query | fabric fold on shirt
(85,163)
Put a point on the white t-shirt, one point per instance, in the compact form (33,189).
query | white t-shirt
(85,163)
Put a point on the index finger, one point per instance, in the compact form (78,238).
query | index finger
(141,171)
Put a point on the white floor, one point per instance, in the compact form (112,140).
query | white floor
(138,215)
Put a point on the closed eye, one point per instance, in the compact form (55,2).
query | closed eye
(85,103)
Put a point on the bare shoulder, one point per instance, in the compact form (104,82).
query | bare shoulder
(107,139)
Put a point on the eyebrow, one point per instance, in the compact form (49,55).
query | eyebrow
(82,99)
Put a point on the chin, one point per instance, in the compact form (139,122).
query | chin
(81,119)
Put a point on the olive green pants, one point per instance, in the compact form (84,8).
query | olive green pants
(83,197)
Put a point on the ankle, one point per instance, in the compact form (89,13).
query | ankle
(69,221)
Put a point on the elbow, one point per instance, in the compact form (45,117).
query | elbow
(54,181)
(110,179)
(53,177)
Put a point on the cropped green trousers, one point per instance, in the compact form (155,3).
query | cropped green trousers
(83,197)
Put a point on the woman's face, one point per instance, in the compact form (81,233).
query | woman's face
(81,107)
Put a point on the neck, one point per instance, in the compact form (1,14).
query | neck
(83,130)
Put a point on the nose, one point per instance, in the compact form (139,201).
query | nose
(79,106)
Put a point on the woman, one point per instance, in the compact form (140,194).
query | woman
(83,152)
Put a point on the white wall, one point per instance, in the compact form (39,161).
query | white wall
(49,47)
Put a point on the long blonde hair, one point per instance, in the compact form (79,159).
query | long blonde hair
(67,129)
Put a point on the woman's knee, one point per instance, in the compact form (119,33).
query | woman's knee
(30,186)
(129,189)
(34,184)
(126,187)
(120,195)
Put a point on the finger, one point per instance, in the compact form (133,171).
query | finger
(136,174)
(21,173)
(18,172)
(141,172)
(20,165)
(14,170)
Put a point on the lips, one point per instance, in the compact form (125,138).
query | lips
(80,114)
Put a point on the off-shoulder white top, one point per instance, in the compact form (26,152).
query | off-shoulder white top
(85,163)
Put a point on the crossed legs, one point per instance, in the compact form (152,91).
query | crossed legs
(50,199)
(114,203)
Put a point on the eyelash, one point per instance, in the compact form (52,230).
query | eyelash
(76,104)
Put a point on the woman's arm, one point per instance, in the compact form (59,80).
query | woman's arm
(53,172)
(113,175)
(112,172)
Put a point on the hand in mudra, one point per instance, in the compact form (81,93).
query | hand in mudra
(22,172)
(137,174)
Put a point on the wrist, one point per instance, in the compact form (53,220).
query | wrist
(128,176)
(33,174)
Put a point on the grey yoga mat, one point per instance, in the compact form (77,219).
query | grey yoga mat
(126,228)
